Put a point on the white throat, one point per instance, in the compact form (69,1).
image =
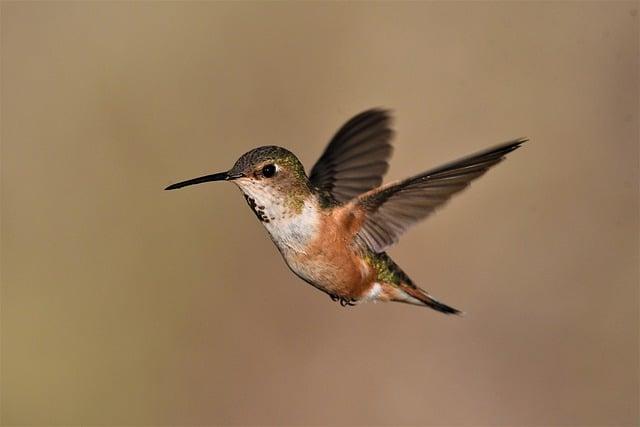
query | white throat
(294,231)
(291,229)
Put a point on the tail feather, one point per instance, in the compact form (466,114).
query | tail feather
(419,297)
(397,286)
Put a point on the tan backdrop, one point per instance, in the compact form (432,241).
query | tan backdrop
(126,304)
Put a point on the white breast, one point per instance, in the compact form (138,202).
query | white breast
(293,232)
(290,228)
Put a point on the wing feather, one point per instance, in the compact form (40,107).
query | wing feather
(393,208)
(355,160)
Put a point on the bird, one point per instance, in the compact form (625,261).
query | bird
(334,225)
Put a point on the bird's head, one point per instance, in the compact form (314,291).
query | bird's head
(270,177)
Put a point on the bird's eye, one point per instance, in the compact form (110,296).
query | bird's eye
(269,171)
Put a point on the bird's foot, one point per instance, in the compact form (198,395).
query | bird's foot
(343,301)
(347,302)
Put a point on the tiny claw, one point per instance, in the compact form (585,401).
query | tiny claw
(347,302)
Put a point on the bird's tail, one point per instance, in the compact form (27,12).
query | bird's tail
(411,294)
(397,286)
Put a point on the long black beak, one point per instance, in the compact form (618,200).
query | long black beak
(222,176)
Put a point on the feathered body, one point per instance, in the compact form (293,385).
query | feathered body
(332,226)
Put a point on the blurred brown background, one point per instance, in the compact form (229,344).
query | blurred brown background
(126,304)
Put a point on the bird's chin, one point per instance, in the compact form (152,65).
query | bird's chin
(242,183)
(245,185)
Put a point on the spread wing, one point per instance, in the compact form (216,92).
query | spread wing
(393,208)
(356,158)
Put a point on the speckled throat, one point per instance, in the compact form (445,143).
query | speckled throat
(291,218)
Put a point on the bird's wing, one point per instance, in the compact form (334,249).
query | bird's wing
(356,158)
(391,209)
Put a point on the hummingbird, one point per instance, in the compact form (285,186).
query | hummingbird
(332,226)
